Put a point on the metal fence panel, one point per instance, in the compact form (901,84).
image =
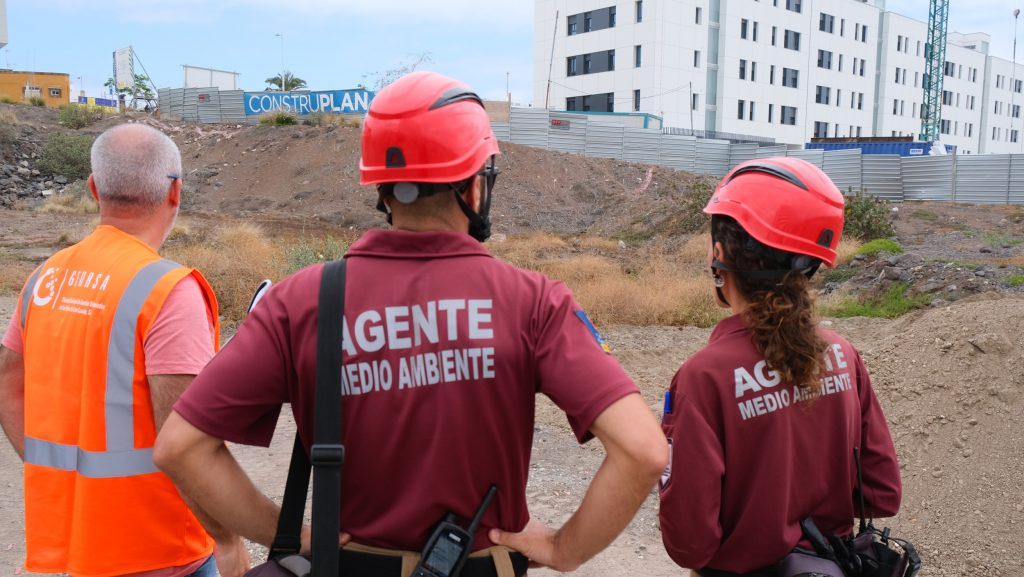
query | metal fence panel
(815,157)
(530,127)
(741,153)
(712,157)
(641,145)
(678,152)
(604,139)
(882,176)
(927,177)
(501,131)
(983,179)
(208,106)
(1017,179)
(567,132)
(231,106)
(766,151)
(844,168)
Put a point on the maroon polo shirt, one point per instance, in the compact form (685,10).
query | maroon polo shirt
(750,459)
(445,348)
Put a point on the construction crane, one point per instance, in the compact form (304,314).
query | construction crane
(935,60)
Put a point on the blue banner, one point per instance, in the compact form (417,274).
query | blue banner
(302,103)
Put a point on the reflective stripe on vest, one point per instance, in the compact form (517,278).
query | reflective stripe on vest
(26,296)
(121,459)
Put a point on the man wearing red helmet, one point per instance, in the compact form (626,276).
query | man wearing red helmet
(763,422)
(444,350)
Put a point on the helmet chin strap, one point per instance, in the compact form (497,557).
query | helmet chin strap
(480,222)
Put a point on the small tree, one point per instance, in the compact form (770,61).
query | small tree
(141,89)
(286,82)
(379,80)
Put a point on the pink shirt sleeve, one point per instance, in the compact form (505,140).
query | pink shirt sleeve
(180,342)
(12,337)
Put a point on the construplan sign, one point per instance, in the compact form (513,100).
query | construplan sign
(302,103)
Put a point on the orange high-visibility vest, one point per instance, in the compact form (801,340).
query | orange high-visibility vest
(95,505)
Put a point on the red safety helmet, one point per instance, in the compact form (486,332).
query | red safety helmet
(427,128)
(785,203)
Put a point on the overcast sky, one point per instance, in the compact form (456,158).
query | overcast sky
(332,44)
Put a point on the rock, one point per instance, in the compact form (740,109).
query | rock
(622,245)
(979,273)
(47,192)
(985,250)
(893,273)
(498,237)
(24,171)
(35,172)
(908,259)
(929,287)
(893,260)
(61,180)
(23,164)
(859,257)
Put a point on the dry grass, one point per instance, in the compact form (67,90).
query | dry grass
(528,251)
(846,250)
(7,116)
(1012,261)
(75,199)
(234,259)
(13,273)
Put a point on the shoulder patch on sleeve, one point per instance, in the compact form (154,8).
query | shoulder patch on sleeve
(593,331)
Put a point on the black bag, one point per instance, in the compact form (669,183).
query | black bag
(872,553)
(326,455)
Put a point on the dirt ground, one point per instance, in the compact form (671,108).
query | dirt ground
(949,376)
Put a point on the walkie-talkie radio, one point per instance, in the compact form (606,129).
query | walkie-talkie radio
(449,546)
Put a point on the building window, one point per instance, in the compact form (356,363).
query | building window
(611,17)
(753,35)
(792,40)
(899,43)
(696,58)
(586,64)
(863,33)
(743,70)
(947,98)
(753,71)
(949,69)
(699,17)
(1015,114)
(771,75)
(895,107)
(944,127)
(839,93)
(790,77)
(570,103)
(694,101)
(570,66)
(1013,136)
(860,101)
(610,102)
(741,109)
(1017,86)
(897,75)
(826,23)
(793,5)
(775,30)
(588,22)
(637,56)
(820,129)
(611,60)
(822,94)
(840,62)
(592,102)
(639,10)
(55,92)
(636,100)
(788,114)
(744,24)
(771,112)
(825,59)
(862,67)
(572,26)
(751,115)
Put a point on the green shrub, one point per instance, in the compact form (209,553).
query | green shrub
(307,252)
(839,275)
(1016,280)
(8,100)
(36,101)
(880,245)
(278,118)
(315,118)
(66,155)
(893,303)
(867,217)
(79,115)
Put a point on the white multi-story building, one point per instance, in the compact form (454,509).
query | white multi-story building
(790,70)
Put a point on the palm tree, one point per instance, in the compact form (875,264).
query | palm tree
(290,82)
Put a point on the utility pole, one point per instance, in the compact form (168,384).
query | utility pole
(281,36)
(508,94)
(551,63)
(1013,75)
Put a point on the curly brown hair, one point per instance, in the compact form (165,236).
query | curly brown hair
(780,312)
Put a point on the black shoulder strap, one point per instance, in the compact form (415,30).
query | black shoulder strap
(327,453)
(860,491)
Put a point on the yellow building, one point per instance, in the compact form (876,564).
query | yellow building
(53,87)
